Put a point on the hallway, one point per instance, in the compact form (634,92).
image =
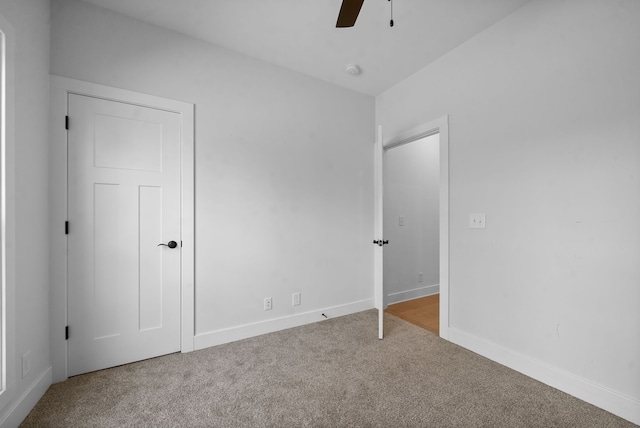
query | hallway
(423,312)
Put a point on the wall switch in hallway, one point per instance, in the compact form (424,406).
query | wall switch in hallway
(295,299)
(26,364)
(477,221)
(401,220)
(268,304)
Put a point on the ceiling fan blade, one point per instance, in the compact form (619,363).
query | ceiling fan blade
(349,13)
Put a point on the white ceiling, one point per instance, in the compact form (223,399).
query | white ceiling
(301,34)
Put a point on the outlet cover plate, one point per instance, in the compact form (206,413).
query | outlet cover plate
(26,364)
(477,221)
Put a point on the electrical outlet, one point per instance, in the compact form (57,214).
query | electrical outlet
(420,277)
(477,221)
(401,221)
(268,304)
(295,299)
(26,364)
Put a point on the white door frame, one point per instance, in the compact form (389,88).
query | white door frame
(439,126)
(60,89)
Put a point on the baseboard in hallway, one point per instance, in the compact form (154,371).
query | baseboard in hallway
(423,312)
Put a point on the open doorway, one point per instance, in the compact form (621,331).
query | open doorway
(411,186)
(382,146)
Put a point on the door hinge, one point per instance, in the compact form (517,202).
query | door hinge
(66,122)
(66,227)
(66,333)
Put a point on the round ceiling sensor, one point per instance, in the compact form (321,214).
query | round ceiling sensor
(353,69)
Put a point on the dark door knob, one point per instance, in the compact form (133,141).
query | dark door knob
(170,244)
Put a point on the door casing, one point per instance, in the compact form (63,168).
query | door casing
(60,88)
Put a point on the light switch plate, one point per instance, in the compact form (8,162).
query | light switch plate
(477,221)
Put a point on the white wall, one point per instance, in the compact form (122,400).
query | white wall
(412,191)
(544,133)
(27,207)
(283,166)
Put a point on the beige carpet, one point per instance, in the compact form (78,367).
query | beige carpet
(334,373)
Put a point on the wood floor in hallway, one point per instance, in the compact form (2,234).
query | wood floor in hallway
(423,312)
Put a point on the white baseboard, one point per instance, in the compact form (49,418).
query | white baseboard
(415,293)
(20,408)
(619,404)
(218,337)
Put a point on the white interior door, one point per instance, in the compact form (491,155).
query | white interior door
(441,127)
(378,276)
(123,201)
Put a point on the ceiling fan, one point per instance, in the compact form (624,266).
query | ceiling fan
(349,13)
